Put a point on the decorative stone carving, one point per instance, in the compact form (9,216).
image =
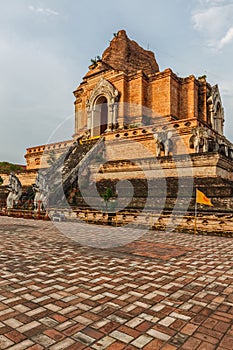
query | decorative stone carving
(163,143)
(41,192)
(15,191)
(231,153)
(167,143)
(216,110)
(199,139)
(106,89)
(222,146)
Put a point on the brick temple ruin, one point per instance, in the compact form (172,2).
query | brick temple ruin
(126,99)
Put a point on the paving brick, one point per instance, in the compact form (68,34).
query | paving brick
(206,337)
(43,340)
(13,323)
(35,347)
(104,343)
(115,346)
(59,295)
(221,327)
(155,344)
(53,334)
(189,329)
(123,337)
(22,346)
(141,341)
(77,345)
(158,335)
(227,342)
(132,332)
(109,327)
(15,336)
(206,346)
(210,323)
(168,347)
(64,344)
(144,326)
(73,329)
(191,344)
(83,338)
(5,342)
(28,326)
(167,321)
(93,333)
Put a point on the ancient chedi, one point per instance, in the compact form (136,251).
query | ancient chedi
(124,97)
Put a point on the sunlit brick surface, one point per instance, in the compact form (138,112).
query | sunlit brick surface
(55,294)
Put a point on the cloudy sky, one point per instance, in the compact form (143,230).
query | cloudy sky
(46,48)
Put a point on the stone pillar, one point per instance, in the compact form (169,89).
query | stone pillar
(115,111)
(89,116)
(92,121)
(110,116)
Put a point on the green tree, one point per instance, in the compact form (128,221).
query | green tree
(7,168)
(107,196)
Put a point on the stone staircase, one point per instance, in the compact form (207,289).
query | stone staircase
(62,177)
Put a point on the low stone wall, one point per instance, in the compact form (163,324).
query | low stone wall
(26,177)
(205,224)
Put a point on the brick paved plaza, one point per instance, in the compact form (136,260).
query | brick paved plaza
(171,291)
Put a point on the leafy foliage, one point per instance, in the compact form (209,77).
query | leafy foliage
(95,60)
(108,194)
(7,168)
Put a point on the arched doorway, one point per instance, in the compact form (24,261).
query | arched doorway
(100,120)
(102,108)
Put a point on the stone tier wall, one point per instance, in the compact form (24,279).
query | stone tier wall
(26,177)
(164,198)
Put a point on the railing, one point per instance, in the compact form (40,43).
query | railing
(89,139)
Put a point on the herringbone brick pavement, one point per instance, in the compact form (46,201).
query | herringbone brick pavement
(166,291)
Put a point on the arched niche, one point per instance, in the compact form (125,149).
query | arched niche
(102,108)
(216,110)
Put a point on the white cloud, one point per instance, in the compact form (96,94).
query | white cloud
(214,20)
(207,20)
(212,2)
(43,11)
(227,38)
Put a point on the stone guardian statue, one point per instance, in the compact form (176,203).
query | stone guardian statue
(15,191)
(41,192)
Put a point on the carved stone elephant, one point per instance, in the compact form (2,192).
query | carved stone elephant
(163,143)
(199,139)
